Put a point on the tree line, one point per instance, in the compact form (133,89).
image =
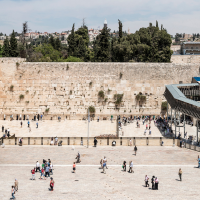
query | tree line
(151,44)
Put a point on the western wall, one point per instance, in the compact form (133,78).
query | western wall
(68,89)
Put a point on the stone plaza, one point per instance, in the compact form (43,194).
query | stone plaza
(90,183)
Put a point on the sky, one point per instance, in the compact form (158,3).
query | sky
(177,16)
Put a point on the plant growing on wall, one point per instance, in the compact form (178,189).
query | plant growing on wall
(118,99)
(164,106)
(67,67)
(141,98)
(47,110)
(90,84)
(17,65)
(92,109)
(11,88)
(21,96)
(101,94)
(70,92)
(120,75)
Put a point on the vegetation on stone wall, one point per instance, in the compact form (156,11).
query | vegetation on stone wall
(118,99)
(140,98)
(21,96)
(164,106)
(91,109)
(47,110)
(101,94)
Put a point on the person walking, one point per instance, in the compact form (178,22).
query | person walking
(131,167)
(33,173)
(74,167)
(28,123)
(135,149)
(42,173)
(47,171)
(21,123)
(145,132)
(52,184)
(130,142)
(153,182)
(13,192)
(16,185)
(37,166)
(111,118)
(156,183)
(124,165)
(180,174)
(104,167)
(36,124)
(198,159)
(95,142)
(2,128)
(146,179)
(105,161)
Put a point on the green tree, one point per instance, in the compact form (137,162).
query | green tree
(52,41)
(13,45)
(102,46)
(58,44)
(71,42)
(120,29)
(6,48)
(1,51)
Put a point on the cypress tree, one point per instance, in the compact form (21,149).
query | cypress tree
(52,42)
(102,48)
(6,48)
(120,29)
(71,42)
(156,23)
(57,44)
(13,45)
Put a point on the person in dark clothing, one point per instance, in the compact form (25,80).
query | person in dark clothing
(156,183)
(17,117)
(24,117)
(2,128)
(95,142)
(153,182)
(38,117)
(135,149)
(124,165)
(34,117)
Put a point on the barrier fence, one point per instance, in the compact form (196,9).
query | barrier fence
(106,141)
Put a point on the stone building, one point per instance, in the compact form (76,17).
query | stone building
(190,48)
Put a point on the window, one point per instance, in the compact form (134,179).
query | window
(191,47)
(197,47)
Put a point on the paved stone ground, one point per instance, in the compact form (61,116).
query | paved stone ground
(90,183)
(76,128)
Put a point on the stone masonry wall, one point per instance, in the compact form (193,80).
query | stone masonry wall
(67,89)
(185,59)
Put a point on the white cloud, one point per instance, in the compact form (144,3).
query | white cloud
(50,15)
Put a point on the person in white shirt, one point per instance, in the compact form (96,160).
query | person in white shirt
(56,140)
(37,166)
(51,168)
(105,161)
(146,181)
(131,167)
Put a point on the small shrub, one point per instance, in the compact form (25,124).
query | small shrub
(38,71)
(164,105)
(92,109)
(27,102)
(70,92)
(101,94)
(137,97)
(120,75)
(140,97)
(27,91)
(17,65)
(21,96)
(118,98)
(11,88)
(109,90)
(47,110)
(106,99)
(90,83)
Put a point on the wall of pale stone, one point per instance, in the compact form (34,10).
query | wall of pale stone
(65,88)
(181,59)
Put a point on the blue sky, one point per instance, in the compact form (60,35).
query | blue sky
(58,15)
